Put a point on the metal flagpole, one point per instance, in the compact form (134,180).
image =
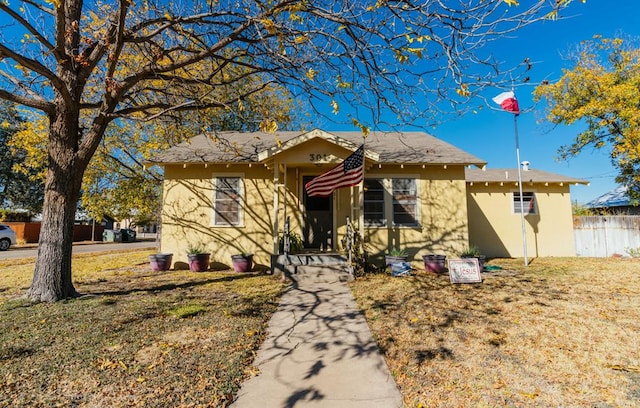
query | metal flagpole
(524,227)
(361,202)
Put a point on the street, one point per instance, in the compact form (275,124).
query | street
(32,251)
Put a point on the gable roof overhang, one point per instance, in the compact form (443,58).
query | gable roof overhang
(270,155)
(383,148)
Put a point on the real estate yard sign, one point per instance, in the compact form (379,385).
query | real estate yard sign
(465,270)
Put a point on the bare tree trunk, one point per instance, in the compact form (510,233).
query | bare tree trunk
(52,275)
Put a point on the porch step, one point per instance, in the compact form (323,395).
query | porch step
(289,264)
(305,274)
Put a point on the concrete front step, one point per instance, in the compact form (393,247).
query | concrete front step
(319,274)
(288,263)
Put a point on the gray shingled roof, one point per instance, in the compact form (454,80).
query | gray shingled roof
(392,147)
(511,175)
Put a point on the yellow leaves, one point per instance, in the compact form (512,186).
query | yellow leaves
(301,39)
(463,90)
(311,74)
(420,38)
(416,51)
(335,108)
(295,17)
(342,84)
(511,2)
(400,57)
(364,129)
(269,25)
(106,364)
(56,3)
(167,15)
(268,125)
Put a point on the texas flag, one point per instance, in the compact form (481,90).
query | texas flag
(508,102)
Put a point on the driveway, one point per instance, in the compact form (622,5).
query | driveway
(31,251)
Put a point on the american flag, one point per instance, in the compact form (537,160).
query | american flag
(348,173)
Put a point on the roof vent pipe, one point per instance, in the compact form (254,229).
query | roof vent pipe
(525,165)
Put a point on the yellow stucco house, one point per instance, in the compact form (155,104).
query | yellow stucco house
(233,193)
(494,211)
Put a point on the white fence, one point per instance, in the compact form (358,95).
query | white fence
(605,236)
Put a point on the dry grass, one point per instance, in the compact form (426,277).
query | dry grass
(140,338)
(562,333)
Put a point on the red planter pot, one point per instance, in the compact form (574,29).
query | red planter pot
(160,262)
(242,263)
(434,263)
(198,262)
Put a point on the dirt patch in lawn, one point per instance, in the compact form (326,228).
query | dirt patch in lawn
(562,332)
(137,337)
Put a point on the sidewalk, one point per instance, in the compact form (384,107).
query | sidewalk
(319,353)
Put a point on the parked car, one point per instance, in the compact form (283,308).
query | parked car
(7,237)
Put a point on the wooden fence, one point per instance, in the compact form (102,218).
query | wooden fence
(29,232)
(604,236)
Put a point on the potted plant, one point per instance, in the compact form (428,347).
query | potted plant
(242,262)
(160,262)
(198,258)
(434,263)
(474,252)
(295,243)
(394,256)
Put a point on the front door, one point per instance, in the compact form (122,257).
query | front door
(318,220)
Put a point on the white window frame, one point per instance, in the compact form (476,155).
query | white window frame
(416,214)
(384,220)
(387,182)
(529,203)
(241,200)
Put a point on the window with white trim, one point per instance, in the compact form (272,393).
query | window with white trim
(394,199)
(528,203)
(227,201)
(374,202)
(405,201)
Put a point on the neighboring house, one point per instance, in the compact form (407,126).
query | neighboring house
(615,202)
(494,207)
(234,191)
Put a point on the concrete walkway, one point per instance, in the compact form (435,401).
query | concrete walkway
(319,351)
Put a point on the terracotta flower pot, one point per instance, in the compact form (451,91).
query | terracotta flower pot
(160,262)
(242,263)
(198,262)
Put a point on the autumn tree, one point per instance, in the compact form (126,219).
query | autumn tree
(602,90)
(117,184)
(87,64)
(20,188)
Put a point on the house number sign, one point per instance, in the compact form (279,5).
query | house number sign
(320,157)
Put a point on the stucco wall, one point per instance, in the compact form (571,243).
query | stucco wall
(188,192)
(442,226)
(497,230)
(187,212)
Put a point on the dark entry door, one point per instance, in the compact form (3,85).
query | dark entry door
(318,220)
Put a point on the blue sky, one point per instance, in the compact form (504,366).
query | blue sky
(489,134)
